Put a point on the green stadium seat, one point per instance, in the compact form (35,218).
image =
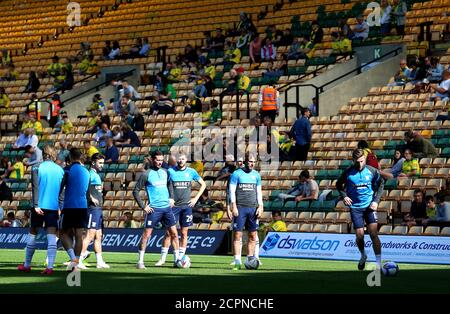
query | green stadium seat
(390,184)
(290,205)
(345,164)
(445,152)
(302,206)
(321,175)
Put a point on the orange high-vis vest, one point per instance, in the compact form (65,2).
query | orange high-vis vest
(269,99)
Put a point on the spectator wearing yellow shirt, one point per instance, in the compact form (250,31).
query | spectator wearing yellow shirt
(198,166)
(17,170)
(206,114)
(89,150)
(37,126)
(340,45)
(410,166)
(64,126)
(232,54)
(210,70)
(4,99)
(128,221)
(172,72)
(277,223)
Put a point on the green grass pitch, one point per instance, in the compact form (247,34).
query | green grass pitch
(213,274)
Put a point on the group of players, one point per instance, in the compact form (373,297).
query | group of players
(68,201)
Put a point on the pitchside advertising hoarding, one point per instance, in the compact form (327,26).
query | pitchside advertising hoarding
(123,240)
(406,249)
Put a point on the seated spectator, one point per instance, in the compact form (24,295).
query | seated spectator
(313,107)
(255,50)
(190,57)
(371,159)
(172,72)
(111,152)
(36,125)
(25,220)
(97,105)
(340,45)
(410,166)
(11,221)
(192,103)
(442,91)
(129,138)
(438,211)
(128,89)
(88,66)
(138,122)
(4,99)
(10,74)
(5,164)
(134,50)
(64,126)
(281,139)
(106,50)
(216,114)
(272,72)
(232,54)
(305,50)
(445,190)
(435,71)
(26,138)
(316,35)
(418,210)
(385,21)
(89,150)
(116,133)
(209,85)
(128,221)
(145,49)
(63,153)
(206,114)
(200,89)
(102,134)
(403,74)
(361,29)
(5,191)
(268,50)
(17,170)
(128,106)
(55,69)
(34,155)
(218,41)
(277,224)
(6,58)
(285,40)
(273,33)
(115,51)
(162,104)
(33,83)
(397,166)
(345,29)
(227,169)
(243,40)
(421,147)
(205,209)
(306,189)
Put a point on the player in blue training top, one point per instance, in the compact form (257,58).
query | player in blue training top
(181,178)
(246,206)
(361,187)
(46,182)
(95,213)
(74,218)
(160,202)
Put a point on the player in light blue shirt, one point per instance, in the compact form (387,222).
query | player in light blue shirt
(181,178)
(46,181)
(158,209)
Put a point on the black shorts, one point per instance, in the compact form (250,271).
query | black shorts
(74,218)
(49,219)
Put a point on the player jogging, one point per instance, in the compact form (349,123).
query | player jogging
(74,214)
(160,200)
(95,214)
(46,182)
(361,187)
(181,178)
(246,206)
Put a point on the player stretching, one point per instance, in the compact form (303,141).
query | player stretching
(95,214)
(156,182)
(46,181)
(246,206)
(361,187)
(74,214)
(181,178)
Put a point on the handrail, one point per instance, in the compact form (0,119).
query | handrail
(320,89)
(238,94)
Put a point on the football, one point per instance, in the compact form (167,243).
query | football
(252,263)
(390,269)
(184,262)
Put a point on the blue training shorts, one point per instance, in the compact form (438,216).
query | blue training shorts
(361,215)
(246,218)
(95,218)
(184,215)
(163,215)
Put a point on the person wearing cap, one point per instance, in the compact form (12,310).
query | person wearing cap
(269,102)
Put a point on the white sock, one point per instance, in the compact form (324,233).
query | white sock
(71,254)
(141,257)
(176,255)
(378,259)
(257,249)
(164,252)
(237,259)
(182,251)
(99,258)
(29,250)
(51,250)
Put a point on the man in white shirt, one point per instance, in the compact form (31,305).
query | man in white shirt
(385,21)
(26,138)
(361,30)
(442,90)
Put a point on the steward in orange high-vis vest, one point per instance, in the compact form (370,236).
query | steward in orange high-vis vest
(269,102)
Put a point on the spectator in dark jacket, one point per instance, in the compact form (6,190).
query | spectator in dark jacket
(316,33)
(421,147)
(302,134)
(418,210)
(138,122)
(5,191)
(111,152)
(33,83)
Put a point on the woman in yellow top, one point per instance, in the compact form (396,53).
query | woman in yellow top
(17,170)
(410,166)
(4,99)
(341,44)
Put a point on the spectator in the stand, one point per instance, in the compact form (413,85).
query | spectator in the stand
(5,192)
(200,89)
(129,106)
(438,211)
(306,49)
(227,169)
(341,45)
(207,41)
(6,58)
(117,133)
(442,91)
(115,51)
(209,85)
(218,41)
(162,104)
(216,114)
(316,35)
(268,50)
(403,74)
(269,102)
(192,103)
(25,220)
(206,114)
(361,29)
(255,50)
(209,69)
(10,74)
(106,50)
(64,126)
(102,134)
(4,99)
(445,190)
(385,19)
(63,153)
(306,189)
(345,29)
(97,105)
(26,138)
(145,49)
(129,90)
(54,110)
(277,224)
(36,125)
(138,122)
(273,33)
(55,69)
(418,210)
(421,147)
(302,134)
(190,57)
(129,138)
(396,168)
(313,107)
(410,167)
(243,40)
(371,159)
(272,72)
(17,170)
(245,23)
(128,221)
(89,150)
(286,39)
(111,152)
(435,71)
(34,155)
(68,81)
(33,83)
(399,15)
(232,54)
(4,166)
(172,72)
(134,50)
(11,221)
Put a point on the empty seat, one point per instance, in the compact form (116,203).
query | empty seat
(385,229)
(306,228)
(320,228)
(293,227)
(335,228)
(401,230)
(445,231)
(415,230)
(431,230)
